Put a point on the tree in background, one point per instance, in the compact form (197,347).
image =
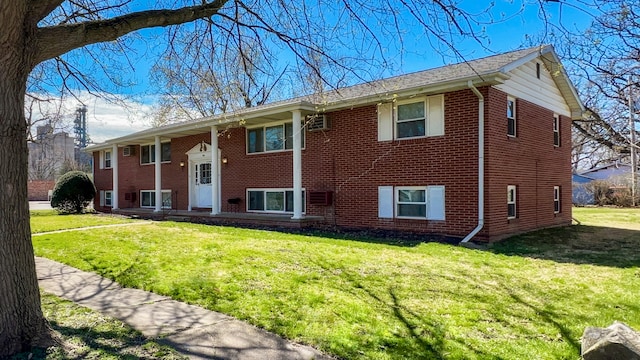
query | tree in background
(604,62)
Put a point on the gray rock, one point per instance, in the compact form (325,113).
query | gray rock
(616,342)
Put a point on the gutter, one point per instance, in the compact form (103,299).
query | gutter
(475,231)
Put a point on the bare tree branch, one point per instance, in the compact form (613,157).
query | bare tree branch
(78,35)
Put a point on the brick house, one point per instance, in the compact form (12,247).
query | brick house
(474,150)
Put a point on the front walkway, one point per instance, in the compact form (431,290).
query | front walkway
(191,330)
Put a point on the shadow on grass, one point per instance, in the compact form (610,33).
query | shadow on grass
(578,244)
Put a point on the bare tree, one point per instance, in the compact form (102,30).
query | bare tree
(604,61)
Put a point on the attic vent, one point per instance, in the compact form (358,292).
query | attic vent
(128,151)
(324,198)
(317,122)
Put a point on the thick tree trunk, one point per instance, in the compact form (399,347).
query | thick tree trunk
(22,324)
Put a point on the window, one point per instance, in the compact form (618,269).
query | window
(272,200)
(556,199)
(411,202)
(556,130)
(411,119)
(108,195)
(148,198)
(107,159)
(511,202)
(276,137)
(106,198)
(511,116)
(538,70)
(148,153)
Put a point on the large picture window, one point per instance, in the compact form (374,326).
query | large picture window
(148,198)
(148,153)
(272,200)
(275,137)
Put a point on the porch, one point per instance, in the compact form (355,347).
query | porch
(224,218)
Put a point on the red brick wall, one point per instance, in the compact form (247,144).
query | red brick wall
(529,161)
(39,189)
(349,160)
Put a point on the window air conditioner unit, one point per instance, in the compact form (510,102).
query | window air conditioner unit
(322,198)
(317,122)
(128,151)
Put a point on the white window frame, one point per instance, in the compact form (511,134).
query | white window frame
(513,117)
(274,190)
(556,130)
(398,203)
(107,159)
(108,198)
(282,123)
(556,200)
(153,198)
(397,120)
(152,153)
(426,203)
(512,200)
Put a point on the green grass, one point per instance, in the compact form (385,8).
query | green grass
(368,300)
(86,334)
(49,220)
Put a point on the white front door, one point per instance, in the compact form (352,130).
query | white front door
(202,188)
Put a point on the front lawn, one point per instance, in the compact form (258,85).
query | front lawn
(367,300)
(49,220)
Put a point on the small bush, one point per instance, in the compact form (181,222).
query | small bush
(73,193)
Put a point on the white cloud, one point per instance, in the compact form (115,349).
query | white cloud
(105,119)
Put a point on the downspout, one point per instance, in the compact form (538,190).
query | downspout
(475,231)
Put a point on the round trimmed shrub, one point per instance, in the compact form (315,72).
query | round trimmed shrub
(73,193)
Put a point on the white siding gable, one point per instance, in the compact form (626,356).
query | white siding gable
(524,84)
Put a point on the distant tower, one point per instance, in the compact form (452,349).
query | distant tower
(82,139)
(80,127)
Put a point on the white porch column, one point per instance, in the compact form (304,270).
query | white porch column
(297,164)
(158,155)
(215,170)
(190,165)
(114,172)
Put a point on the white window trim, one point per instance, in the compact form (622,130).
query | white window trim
(556,130)
(264,143)
(104,158)
(514,118)
(264,190)
(514,201)
(428,215)
(396,195)
(153,144)
(110,192)
(424,101)
(556,198)
(153,192)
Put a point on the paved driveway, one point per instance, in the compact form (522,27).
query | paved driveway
(39,205)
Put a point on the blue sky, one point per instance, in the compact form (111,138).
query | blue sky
(508,26)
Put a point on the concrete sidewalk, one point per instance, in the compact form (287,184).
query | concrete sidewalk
(191,330)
